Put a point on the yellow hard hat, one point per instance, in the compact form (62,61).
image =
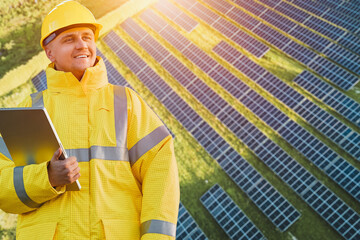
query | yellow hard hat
(66,15)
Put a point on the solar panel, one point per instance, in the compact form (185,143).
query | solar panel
(350,9)
(3,149)
(344,38)
(338,54)
(39,81)
(324,67)
(296,135)
(248,179)
(229,216)
(186,227)
(328,14)
(176,15)
(228,29)
(343,104)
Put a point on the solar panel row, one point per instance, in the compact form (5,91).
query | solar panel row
(278,160)
(343,104)
(344,38)
(322,66)
(176,15)
(334,52)
(328,14)
(187,228)
(229,216)
(39,81)
(229,30)
(347,8)
(297,136)
(250,180)
(255,102)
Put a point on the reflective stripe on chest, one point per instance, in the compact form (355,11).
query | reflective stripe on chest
(120,151)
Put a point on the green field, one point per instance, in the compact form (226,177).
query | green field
(198,171)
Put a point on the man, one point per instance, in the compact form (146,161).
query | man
(120,151)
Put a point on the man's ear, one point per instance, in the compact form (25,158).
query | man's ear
(49,54)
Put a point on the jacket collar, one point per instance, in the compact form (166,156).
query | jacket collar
(94,78)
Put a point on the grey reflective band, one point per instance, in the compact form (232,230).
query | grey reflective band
(147,143)
(158,226)
(37,99)
(120,111)
(20,188)
(99,152)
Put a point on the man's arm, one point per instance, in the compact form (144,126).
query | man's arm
(25,188)
(151,153)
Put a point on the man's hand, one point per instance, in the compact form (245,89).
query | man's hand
(63,172)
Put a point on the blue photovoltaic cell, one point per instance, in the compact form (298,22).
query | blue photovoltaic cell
(248,179)
(297,136)
(347,8)
(3,149)
(343,104)
(324,67)
(274,157)
(229,216)
(39,81)
(338,54)
(187,228)
(346,39)
(229,30)
(176,15)
(328,14)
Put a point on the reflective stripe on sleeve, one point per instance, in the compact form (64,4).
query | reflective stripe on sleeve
(20,188)
(147,143)
(158,226)
(37,99)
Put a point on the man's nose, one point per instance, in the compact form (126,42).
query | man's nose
(80,43)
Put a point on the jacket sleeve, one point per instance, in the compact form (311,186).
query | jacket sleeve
(151,153)
(24,188)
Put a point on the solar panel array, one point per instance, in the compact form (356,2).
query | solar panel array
(278,209)
(343,104)
(229,216)
(335,33)
(176,15)
(278,160)
(313,61)
(264,109)
(229,30)
(297,136)
(328,14)
(334,52)
(187,228)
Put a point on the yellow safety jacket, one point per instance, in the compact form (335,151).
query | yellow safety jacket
(129,176)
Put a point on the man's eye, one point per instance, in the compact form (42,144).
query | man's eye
(68,40)
(87,38)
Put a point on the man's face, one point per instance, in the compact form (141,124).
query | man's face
(73,51)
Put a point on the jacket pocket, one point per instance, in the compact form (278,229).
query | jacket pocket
(116,229)
(43,231)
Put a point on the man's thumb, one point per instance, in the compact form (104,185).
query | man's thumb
(57,154)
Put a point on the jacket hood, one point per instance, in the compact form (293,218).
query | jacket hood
(94,78)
